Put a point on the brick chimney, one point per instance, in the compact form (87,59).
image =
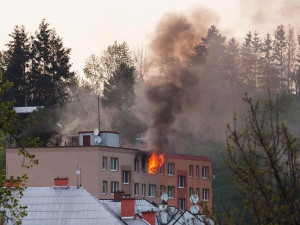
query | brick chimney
(11,183)
(149,217)
(128,208)
(118,195)
(61,182)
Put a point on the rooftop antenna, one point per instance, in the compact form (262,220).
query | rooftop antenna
(78,174)
(99,112)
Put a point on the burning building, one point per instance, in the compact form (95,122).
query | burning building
(104,168)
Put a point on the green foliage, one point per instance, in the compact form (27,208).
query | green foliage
(263,158)
(11,125)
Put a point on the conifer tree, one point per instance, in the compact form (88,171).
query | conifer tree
(279,55)
(247,57)
(290,59)
(232,63)
(50,69)
(17,65)
(270,79)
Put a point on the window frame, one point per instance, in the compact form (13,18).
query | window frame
(114,184)
(136,189)
(172,190)
(136,166)
(191,170)
(152,188)
(104,187)
(104,163)
(205,194)
(181,201)
(197,171)
(181,181)
(126,177)
(114,164)
(143,190)
(205,170)
(171,168)
(198,192)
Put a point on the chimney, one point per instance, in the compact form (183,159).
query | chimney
(11,183)
(149,217)
(118,195)
(127,208)
(61,182)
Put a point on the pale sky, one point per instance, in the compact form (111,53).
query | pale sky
(89,26)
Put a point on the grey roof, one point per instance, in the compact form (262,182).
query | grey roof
(141,205)
(64,206)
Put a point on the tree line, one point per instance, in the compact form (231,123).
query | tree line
(38,66)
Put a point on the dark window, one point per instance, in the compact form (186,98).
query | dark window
(205,171)
(181,181)
(197,171)
(104,187)
(143,189)
(171,169)
(181,203)
(136,165)
(104,163)
(126,177)
(114,186)
(114,164)
(205,194)
(86,140)
(152,190)
(171,191)
(136,189)
(191,168)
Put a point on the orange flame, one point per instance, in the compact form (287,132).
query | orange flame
(155,162)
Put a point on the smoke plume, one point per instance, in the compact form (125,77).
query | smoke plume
(173,87)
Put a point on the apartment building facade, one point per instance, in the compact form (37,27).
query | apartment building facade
(105,170)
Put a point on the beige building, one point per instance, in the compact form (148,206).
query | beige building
(104,170)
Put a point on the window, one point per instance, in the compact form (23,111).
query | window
(162,189)
(143,189)
(197,171)
(104,187)
(191,191)
(161,170)
(136,189)
(152,190)
(114,186)
(126,177)
(171,191)
(136,165)
(181,203)
(191,168)
(205,171)
(104,163)
(171,169)
(198,192)
(113,164)
(205,194)
(181,181)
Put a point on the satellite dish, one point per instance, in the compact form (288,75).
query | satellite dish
(164,197)
(194,198)
(97,140)
(96,131)
(195,209)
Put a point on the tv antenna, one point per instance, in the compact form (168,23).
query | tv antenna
(98,112)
